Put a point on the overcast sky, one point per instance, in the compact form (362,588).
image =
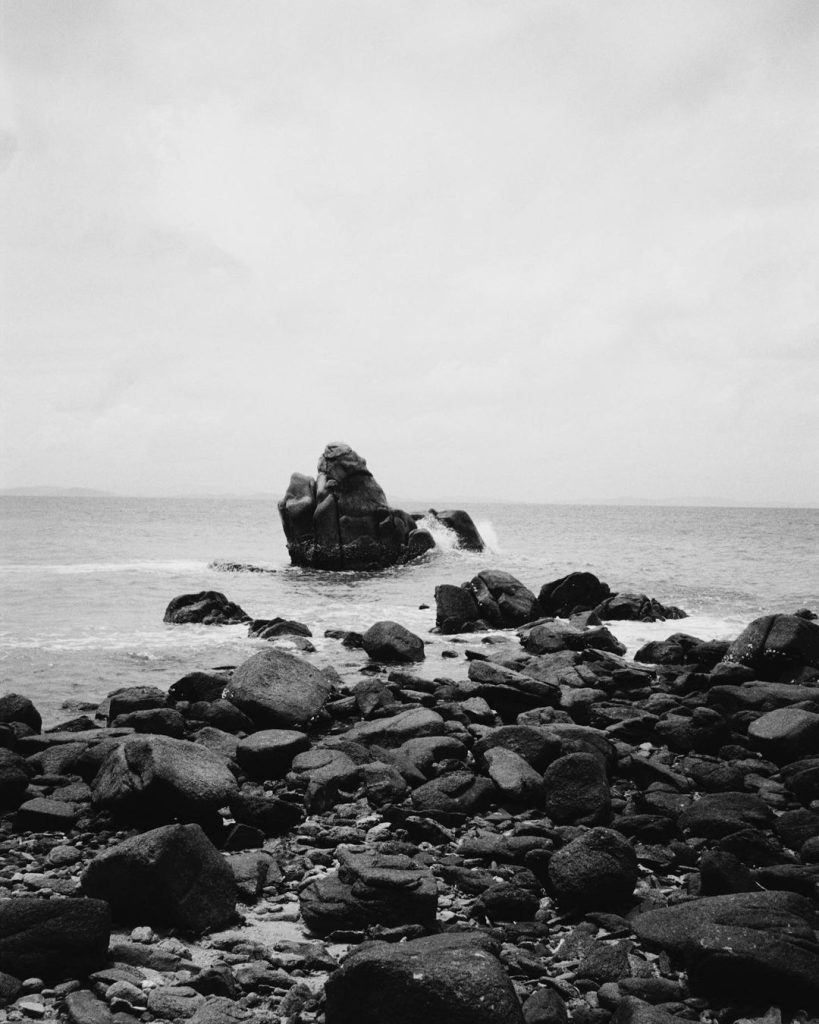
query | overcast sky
(535,250)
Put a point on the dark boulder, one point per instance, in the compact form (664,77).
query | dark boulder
(596,871)
(503,601)
(577,592)
(717,815)
(158,778)
(14,707)
(637,608)
(278,690)
(777,648)
(786,734)
(172,875)
(757,945)
(456,609)
(577,790)
(392,642)
(208,607)
(341,520)
(462,526)
(13,779)
(441,979)
(268,754)
(270,629)
(53,939)
(197,686)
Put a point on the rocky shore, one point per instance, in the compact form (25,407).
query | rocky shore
(506,821)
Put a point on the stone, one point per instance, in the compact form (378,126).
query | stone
(515,778)
(462,525)
(269,629)
(157,778)
(83,1007)
(369,889)
(455,608)
(128,699)
(174,1002)
(596,871)
(440,979)
(536,746)
(171,875)
(577,790)
(268,754)
(456,793)
(502,599)
(157,721)
(717,815)
(45,815)
(13,779)
(785,734)
(277,690)
(53,939)
(550,637)
(637,608)
(391,642)
(14,707)
(545,1006)
(397,729)
(198,686)
(777,647)
(208,607)
(341,519)
(577,592)
(746,946)
(270,814)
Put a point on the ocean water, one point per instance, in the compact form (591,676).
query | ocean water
(84,582)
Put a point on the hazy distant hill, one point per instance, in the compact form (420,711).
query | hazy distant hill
(54,492)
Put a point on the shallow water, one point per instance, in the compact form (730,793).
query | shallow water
(85,581)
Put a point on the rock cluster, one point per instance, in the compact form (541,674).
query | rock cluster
(342,520)
(497,600)
(547,832)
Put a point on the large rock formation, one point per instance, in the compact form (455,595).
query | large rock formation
(341,520)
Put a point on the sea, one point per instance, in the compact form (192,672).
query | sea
(84,582)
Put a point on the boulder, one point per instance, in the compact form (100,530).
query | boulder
(397,729)
(551,637)
(341,520)
(269,753)
(637,608)
(515,778)
(13,779)
(277,690)
(742,946)
(368,889)
(392,642)
(777,648)
(717,815)
(785,734)
(456,609)
(439,979)
(456,793)
(53,939)
(596,871)
(270,629)
(208,607)
(577,790)
(14,707)
(569,595)
(158,778)
(462,526)
(197,686)
(172,875)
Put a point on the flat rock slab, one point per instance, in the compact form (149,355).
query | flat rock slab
(441,979)
(53,939)
(758,945)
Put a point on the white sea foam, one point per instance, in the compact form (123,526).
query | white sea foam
(490,537)
(171,567)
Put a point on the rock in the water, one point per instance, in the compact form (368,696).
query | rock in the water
(368,889)
(392,642)
(756,945)
(455,609)
(277,690)
(596,871)
(53,939)
(341,520)
(637,608)
(158,778)
(462,526)
(208,607)
(577,592)
(777,648)
(14,707)
(440,979)
(171,875)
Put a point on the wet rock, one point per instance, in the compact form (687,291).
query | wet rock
(802,778)
(551,637)
(683,649)
(577,790)
(536,746)
(719,814)
(416,758)
(391,642)
(795,827)
(14,707)
(268,754)
(53,939)
(208,607)
(368,889)
(722,872)
(442,979)
(457,793)
(455,608)
(502,599)
(170,875)
(397,729)
(159,778)
(515,778)
(197,686)
(569,595)
(746,946)
(461,524)
(777,648)
(596,871)
(637,608)
(13,779)
(157,721)
(278,690)
(270,629)
(341,520)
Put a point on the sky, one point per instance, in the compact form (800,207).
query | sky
(513,250)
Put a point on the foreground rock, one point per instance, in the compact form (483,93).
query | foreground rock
(758,945)
(442,979)
(392,642)
(208,607)
(53,939)
(172,875)
(278,690)
(778,648)
(341,520)
(158,778)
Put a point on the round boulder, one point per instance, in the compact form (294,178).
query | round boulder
(277,690)
(577,790)
(596,871)
(392,642)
